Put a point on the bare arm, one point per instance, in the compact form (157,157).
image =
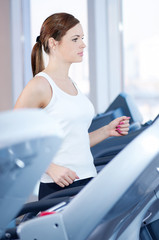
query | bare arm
(118,127)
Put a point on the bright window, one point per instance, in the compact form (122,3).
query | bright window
(141,54)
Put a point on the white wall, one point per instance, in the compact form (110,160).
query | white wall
(5,57)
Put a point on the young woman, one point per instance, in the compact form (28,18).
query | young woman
(52,90)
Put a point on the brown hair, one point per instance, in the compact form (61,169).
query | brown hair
(54,26)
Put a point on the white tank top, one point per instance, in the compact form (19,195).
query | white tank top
(74,114)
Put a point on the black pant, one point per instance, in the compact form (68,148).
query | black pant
(48,188)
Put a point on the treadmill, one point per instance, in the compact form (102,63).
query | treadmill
(122,202)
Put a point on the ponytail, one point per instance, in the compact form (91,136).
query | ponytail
(37,58)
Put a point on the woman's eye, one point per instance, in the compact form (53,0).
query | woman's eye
(75,39)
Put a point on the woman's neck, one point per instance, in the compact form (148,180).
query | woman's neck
(60,71)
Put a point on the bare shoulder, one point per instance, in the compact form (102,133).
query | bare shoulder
(41,89)
(37,93)
(39,84)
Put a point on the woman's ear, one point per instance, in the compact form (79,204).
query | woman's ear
(52,43)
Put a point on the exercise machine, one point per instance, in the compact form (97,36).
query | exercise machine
(123,105)
(115,205)
(28,142)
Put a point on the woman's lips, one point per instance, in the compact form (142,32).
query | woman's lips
(81,54)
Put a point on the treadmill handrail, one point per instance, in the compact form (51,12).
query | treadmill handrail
(25,119)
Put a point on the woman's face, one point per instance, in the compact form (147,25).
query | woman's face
(70,48)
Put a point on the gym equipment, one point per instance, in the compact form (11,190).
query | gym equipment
(28,142)
(126,103)
(107,149)
(123,105)
(114,145)
(115,204)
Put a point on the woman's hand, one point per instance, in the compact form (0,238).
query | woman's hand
(118,127)
(62,176)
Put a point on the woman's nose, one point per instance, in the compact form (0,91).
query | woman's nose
(83,45)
